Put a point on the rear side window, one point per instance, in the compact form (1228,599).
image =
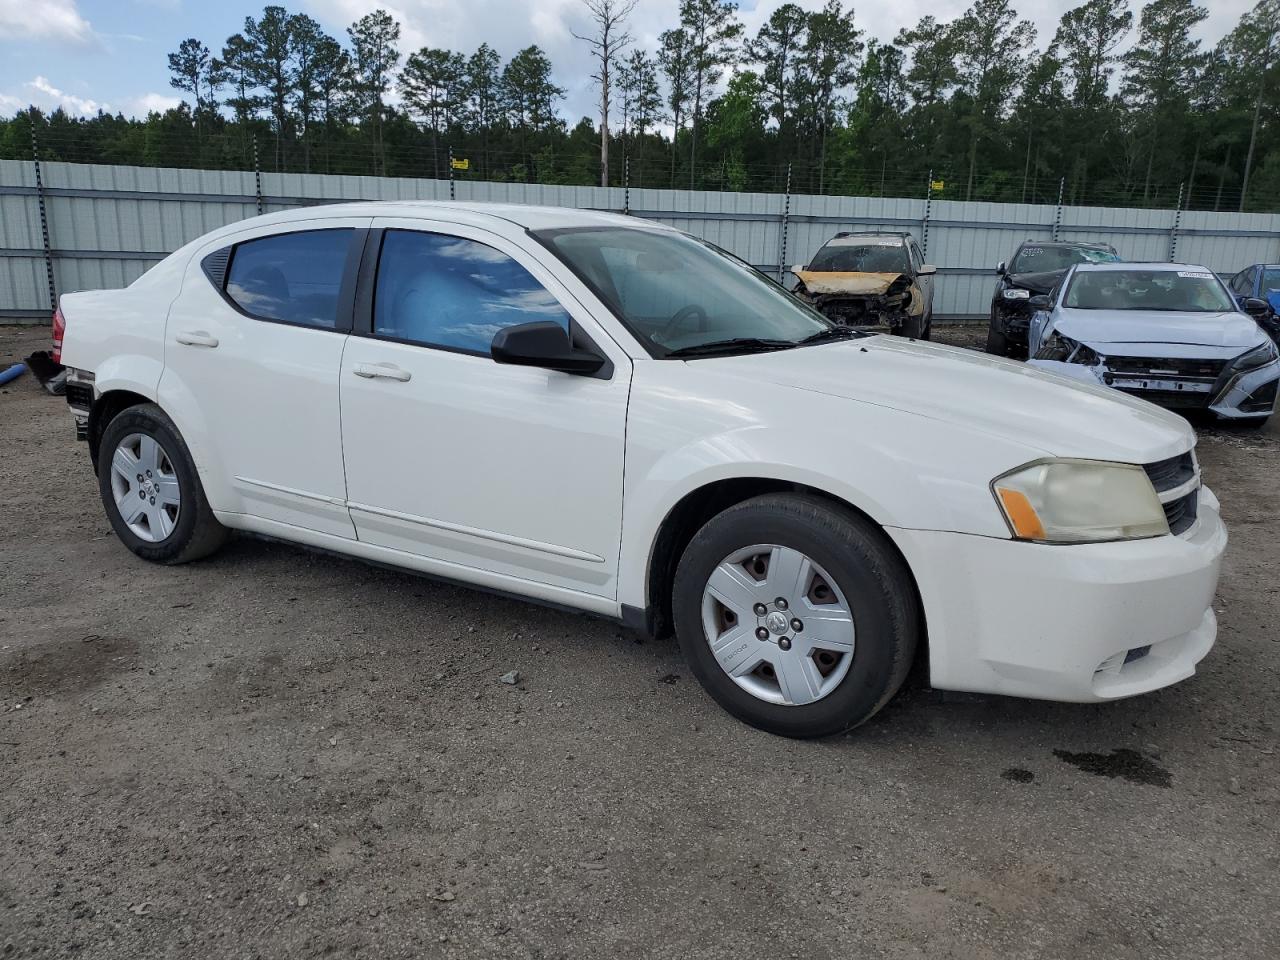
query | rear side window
(292,277)
(453,293)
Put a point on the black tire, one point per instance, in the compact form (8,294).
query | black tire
(870,573)
(912,327)
(997,342)
(196,533)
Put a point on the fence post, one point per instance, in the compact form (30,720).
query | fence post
(924,221)
(1177,222)
(786,219)
(626,184)
(44,220)
(451,188)
(257,176)
(1057,214)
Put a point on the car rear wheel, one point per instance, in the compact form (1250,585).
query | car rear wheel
(797,616)
(151,491)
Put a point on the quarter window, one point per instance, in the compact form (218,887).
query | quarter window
(291,277)
(454,293)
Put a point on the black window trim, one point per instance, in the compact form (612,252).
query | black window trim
(367,285)
(346,291)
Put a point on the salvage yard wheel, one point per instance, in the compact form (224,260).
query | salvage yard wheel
(997,342)
(151,491)
(797,616)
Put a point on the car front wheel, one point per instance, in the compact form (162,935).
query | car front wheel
(797,616)
(151,491)
(997,342)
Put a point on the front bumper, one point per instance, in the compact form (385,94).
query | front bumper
(1233,396)
(1012,320)
(1067,622)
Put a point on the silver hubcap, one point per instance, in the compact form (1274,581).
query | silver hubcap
(145,487)
(778,625)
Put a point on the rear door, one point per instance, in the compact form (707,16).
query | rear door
(486,468)
(253,347)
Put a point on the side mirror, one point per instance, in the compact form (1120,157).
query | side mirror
(1040,301)
(1002,268)
(928,270)
(1255,307)
(543,344)
(796,268)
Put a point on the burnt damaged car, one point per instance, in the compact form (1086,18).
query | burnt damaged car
(870,279)
(1035,269)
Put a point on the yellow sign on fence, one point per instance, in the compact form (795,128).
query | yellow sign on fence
(460,164)
(938,184)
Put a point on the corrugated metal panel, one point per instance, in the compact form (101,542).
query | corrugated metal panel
(146,210)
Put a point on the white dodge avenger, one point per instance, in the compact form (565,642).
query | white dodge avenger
(606,414)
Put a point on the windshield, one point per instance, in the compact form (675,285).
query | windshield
(677,293)
(1187,291)
(1270,279)
(1046,259)
(868,256)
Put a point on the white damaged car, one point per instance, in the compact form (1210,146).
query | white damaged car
(1169,333)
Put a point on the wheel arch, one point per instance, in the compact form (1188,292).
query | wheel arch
(688,515)
(106,408)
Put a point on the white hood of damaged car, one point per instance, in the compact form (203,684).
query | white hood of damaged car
(971,390)
(1150,331)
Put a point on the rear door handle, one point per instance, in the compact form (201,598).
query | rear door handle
(196,338)
(381,371)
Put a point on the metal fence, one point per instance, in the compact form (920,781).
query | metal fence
(67,226)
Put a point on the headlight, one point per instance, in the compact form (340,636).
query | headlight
(1058,347)
(1013,293)
(1079,501)
(1259,356)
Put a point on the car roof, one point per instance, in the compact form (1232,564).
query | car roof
(1070,244)
(850,238)
(527,216)
(1152,267)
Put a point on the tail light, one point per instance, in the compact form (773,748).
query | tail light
(59,328)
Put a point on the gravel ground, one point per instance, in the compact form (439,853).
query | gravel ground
(274,753)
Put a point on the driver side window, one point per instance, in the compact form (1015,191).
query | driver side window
(453,293)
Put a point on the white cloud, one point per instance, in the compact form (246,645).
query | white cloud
(43,94)
(150,103)
(45,20)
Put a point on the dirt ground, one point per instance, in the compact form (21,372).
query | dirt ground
(279,754)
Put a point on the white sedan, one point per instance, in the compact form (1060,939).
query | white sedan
(603,413)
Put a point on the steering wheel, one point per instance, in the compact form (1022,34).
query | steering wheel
(681,315)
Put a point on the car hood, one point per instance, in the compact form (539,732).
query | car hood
(1044,412)
(1036,282)
(1158,326)
(863,284)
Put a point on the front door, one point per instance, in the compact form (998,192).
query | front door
(490,470)
(253,347)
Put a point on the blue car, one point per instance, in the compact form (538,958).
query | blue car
(1260,282)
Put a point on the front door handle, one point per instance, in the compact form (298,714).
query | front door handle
(196,338)
(381,371)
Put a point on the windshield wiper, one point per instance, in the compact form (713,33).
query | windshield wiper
(713,348)
(832,333)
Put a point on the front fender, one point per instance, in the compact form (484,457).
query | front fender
(899,469)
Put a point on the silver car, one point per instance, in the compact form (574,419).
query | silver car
(1170,333)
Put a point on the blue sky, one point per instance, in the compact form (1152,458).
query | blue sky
(86,54)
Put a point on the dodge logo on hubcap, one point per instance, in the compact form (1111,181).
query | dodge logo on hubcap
(776,622)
